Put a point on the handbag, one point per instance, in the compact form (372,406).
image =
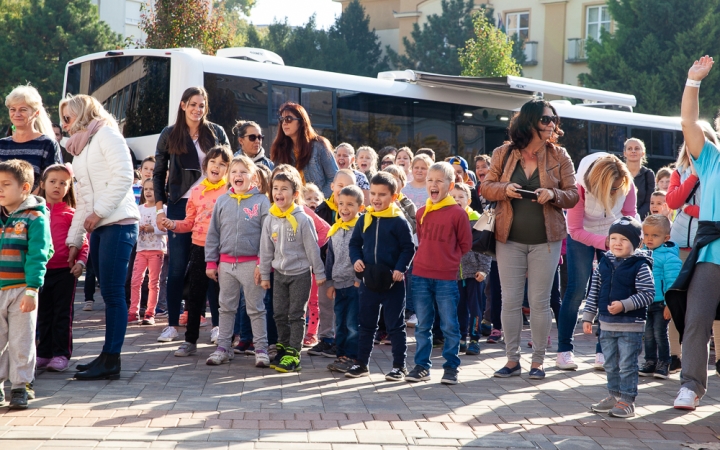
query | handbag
(483,233)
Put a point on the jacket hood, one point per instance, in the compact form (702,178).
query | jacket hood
(667,248)
(32,202)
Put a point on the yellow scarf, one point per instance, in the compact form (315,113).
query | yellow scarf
(469,211)
(400,197)
(344,225)
(210,186)
(275,211)
(391,211)
(430,206)
(331,202)
(240,197)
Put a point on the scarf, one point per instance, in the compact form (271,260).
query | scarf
(344,225)
(240,197)
(331,203)
(78,141)
(209,186)
(469,211)
(400,197)
(275,211)
(430,206)
(260,155)
(391,211)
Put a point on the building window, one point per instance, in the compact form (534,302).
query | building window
(518,23)
(598,18)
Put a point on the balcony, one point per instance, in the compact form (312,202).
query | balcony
(531,51)
(576,51)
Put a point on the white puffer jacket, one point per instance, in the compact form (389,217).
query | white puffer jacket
(104,175)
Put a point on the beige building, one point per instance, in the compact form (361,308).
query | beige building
(555,30)
(123,16)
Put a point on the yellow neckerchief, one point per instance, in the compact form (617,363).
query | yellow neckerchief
(469,211)
(331,202)
(400,197)
(430,206)
(240,197)
(212,186)
(391,211)
(340,224)
(275,211)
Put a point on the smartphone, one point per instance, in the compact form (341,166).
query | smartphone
(530,195)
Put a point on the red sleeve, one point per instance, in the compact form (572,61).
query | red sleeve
(321,227)
(83,255)
(186,225)
(678,192)
(464,233)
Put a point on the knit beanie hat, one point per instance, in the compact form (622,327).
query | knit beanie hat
(628,227)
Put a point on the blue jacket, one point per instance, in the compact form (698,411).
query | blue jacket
(666,268)
(386,241)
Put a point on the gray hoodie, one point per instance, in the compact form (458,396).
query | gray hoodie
(290,253)
(235,229)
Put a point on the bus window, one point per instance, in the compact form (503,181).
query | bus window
(617,135)
(470,141)
(644,135)
(575,139)
(280,95)
(662,144)
(319,104)
(598,137)
(433,127)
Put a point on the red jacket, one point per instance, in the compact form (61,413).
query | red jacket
(444,237)
(61,216)
(677,194)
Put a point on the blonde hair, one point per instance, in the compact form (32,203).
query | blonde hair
(683,161)
(445,168)
(600,177)
(406,150)
(397,172)
(239,159)
(348,173)
(659,221)
(642,145)
(424,158)
(373,158)
(86,109)
(465,188)
(31,97)
(314,189)
(347,146)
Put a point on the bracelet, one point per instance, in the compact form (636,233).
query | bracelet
(159,211)
(692,83)
(31,293)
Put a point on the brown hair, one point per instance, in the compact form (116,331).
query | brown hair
(143,200)
(21,170)
(426,151)
(222,151)
(354,192)
(290,177)
(398,173)
(282,150)
(524,124)
(483,157)
(263,174)
(658,220)
(463,187)
(69,197)
(385,179)
(663,172)
(177,141)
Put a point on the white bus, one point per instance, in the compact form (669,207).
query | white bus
(452,115)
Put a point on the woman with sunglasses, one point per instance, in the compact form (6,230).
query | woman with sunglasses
(644,178)
(607,193)
(250,139)
(528,249)
(297,144)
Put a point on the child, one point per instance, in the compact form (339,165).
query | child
(137,186)
(289,244)
(415,190)
(406,205)
(147,167)
(662,179)
(367,160)
(55,303)
(621,288)
(658,205)
(151,249)
(233,239)
(341,279)
(383,228)
(25,250)
(666,267)
(404,158)
(198,214)
(444,236)
(474,268)
(312,196)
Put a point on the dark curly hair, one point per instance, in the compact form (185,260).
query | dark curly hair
(524,125)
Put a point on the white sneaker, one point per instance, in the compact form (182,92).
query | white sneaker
(686,399)
(219,356)
(412,321)
(88,306)
(261,358)
(566,361)
(214,333)
(599,362)
(168,334)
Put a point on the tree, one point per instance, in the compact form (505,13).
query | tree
(357,48)
(654,44)
(235,6)
(489,53)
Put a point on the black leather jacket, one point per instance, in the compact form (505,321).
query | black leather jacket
(184,169)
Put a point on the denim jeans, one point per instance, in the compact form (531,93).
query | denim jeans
(427,293)
(347,303)
(470,306)
(621,350)
(179,255)
(657,342)
(110,247)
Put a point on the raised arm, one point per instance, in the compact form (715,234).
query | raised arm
(690,109)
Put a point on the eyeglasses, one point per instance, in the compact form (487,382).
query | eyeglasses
(66,119)
(386,163)
(545,120)
(287,119)
(254,137)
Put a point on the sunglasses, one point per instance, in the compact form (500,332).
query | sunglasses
(545,120)
(66,119)
(386,163)
(254,137)
(287,119)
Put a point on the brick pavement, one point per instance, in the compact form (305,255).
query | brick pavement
(166,402)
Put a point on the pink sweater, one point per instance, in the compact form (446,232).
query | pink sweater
(576,215)
(198,213)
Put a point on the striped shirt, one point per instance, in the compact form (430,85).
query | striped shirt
(41,153)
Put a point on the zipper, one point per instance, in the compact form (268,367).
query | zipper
(377,231)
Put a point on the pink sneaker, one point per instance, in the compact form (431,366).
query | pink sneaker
(58,364)
(42,363)
(495,336)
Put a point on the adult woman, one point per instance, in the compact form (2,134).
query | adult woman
(345,159)
(297,144)
(106,208)
(643,178)
(250,140)
(606,193)
(34,139)
(529,249)
(181,149)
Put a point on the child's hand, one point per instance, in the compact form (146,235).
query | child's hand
(28,304)
(72,258)
(331,292)
(587,327)
(357,284)
(616,307)
(149,229)
(319,282)
(479,277)
(265,284)
(212,274)
(257,277)
(167,223)
(397,275)
(359,266)
(76,270)
(666,313)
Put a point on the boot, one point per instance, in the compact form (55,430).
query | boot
(107,368)
(84,367)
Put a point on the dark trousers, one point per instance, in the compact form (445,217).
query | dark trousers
(393,304)
(178,254)
(89,288)
(55,314)
(470,306)
(657,342)
(198,283)
(493,295)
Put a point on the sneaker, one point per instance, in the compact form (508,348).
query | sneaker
(473,348)
(141,312)
(250,350)
(412,321)
(214,333)
(357,371)
(30,388)
(41,363)
(219,356)
(318,349)
(310,340)
(379,337)
(396,374)
(485,327)
(290,362)
(262,359)
(450,376)
(495,336)
(148,320)
(330,352)
(507,372)
(647,369)
(235,341)
(438,342)
(686,399)
(419,373)
(605,405)
(341,364)
(160,313)
(623,410)
(241,346)
(662,370)
(168,334)
(203,322)
(279,353)
(88,306)
(675,364)
(134,319)
(463,346)
(186,349)
(19,398)
(272,351)
(566,361)
(183,319)
(58,364)
(599,363)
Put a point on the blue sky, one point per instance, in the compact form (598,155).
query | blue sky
(296,11)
